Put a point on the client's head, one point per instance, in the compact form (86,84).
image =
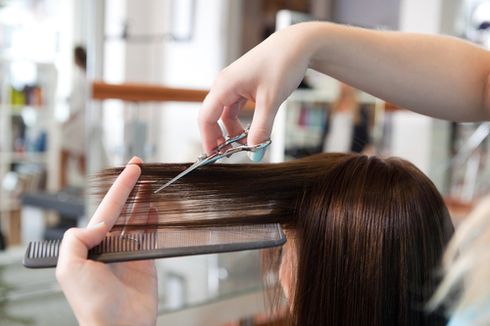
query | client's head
(365,235)
(368,237)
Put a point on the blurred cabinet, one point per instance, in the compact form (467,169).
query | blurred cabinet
(28,141)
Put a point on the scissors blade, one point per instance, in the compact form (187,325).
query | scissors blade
(181,174)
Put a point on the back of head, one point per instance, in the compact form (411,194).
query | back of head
(369,236)
(80,57)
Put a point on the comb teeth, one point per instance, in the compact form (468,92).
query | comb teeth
(44,254)
(164,243)
(40,254)
(125,243)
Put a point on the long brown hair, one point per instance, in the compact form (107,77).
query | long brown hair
(369,232)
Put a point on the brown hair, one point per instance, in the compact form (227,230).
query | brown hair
(80,56)
(369,232)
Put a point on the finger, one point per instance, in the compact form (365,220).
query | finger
(141,214)
(77,242)
(230,118)
(152,220)
(153,223)
(209,114)
(140,209)
(263,119)
(115,199)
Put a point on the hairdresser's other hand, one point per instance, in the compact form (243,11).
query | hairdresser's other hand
(107,294)
(265,75)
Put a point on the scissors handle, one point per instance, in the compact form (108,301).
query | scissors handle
(230,141)
(217,153)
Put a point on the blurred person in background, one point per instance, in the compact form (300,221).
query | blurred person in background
(73,130)
(350,122)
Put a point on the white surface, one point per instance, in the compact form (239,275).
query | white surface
(32,224)
(173,135)
(195,64)
(431,16)
(412,138)
(424,141)
(339,138)
(420,16)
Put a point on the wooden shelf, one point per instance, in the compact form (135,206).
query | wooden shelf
(145,93)
(133,92)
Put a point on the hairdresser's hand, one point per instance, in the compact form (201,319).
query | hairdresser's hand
(265,75)
(107,294)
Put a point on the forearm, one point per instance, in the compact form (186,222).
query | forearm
(434,75)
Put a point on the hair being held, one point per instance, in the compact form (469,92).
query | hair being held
(365,235)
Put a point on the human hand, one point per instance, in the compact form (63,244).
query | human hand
(107,294)
(265,75)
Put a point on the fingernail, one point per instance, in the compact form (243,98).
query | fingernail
(97,225)
(257,155)
(134,160)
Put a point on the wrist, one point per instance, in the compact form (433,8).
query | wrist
(317,42)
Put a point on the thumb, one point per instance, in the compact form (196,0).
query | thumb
(263,119)
(77,242)
(261,127)
(259,132)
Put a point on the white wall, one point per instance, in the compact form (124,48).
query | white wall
(420,16)
(430,16)
(195,64)
(170,129)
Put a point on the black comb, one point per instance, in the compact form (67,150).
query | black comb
(164,243)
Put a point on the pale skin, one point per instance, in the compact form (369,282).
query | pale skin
(107,294)
(439,76)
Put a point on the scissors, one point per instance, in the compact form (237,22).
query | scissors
(217,153)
